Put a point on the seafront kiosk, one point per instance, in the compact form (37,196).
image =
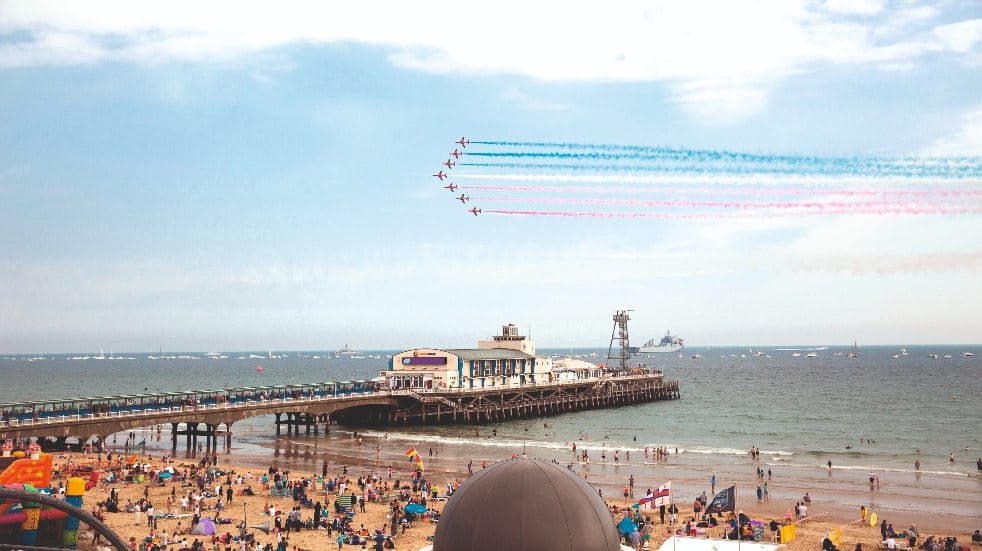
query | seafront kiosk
(505,360)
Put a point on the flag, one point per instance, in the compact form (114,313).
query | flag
(664,494)
(724,501)
(414,457)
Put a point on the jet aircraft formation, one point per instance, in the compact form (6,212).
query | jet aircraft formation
(450,163)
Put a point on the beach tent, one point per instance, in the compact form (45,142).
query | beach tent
(165,474)
(204,527)
(683,543)
(415,508)
(627,526)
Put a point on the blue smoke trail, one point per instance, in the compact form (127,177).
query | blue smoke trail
(725,155)
(857,166)
(897,171)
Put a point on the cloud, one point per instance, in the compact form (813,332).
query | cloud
(854,7)
(524,101)
(720,59)
(960,37)
(967,141)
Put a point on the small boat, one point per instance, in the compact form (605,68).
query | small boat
(933,356)
(947,355)
(796,355)
(811,355)
(854,353)
(259,369)
(968,354)
(697,356)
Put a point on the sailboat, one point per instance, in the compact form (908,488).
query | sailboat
(854,353)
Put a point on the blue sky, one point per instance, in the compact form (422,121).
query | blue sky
(234,178)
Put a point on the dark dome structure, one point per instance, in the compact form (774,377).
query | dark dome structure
(526,505)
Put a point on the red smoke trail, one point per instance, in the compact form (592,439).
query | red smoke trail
(572,214)
(724,191)
(667,215)
(831,205)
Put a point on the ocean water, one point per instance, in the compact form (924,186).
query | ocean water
(800,412)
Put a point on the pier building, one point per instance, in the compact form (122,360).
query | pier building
(505,360)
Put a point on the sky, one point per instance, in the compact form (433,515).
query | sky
(238,176)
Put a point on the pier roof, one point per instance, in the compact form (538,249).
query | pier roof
(488,354)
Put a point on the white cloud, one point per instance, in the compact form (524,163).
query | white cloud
(960,37)
(523,100)
(967,141)
(854,7)
(720,58)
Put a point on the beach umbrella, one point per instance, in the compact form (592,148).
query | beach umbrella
(415,508)
(627,526)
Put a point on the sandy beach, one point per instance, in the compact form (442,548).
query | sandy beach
(345,453)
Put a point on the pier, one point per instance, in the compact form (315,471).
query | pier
(208,416)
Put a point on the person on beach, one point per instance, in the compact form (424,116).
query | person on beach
(766,496)
(917,464)
(830,465)
(760,494)
(712,484)
(863,513)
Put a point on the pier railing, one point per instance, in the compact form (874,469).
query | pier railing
(423,395)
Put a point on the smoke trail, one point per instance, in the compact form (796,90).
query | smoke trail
(673,215)
(737,191)
(909,172)
(572,214)
(830,205)
(726,155)
(797,165)
(721,179)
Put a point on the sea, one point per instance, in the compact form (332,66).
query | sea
(875,413)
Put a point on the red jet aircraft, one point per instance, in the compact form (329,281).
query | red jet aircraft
(452,187)
(440,175)
(448,164)
(455,153)
(474,211)
(463,142)
(463,198)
